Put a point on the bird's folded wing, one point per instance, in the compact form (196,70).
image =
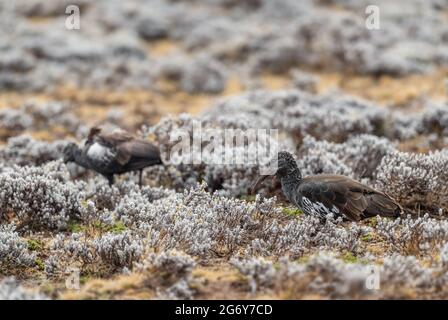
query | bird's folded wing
(114,142)
(113,139)
(334,193)
(137,149)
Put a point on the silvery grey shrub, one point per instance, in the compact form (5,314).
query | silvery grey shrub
(275,37)
(173,270)
(258,271)
(42,115)
(358,157)
(14,251)
(209,225)
(24,150)
(10,289)
(40,196)
(416,179)
(119,250)
(416,236)
(330,277)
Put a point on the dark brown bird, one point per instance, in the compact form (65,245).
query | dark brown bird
(331,194)
(113,153)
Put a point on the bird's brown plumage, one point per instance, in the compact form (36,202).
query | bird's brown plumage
(354,200)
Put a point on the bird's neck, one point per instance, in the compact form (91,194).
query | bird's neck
(290,183)
(80,159)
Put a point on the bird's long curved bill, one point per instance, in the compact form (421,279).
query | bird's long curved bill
(257,183)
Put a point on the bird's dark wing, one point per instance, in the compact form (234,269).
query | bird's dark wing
(353,199)
(382,204)
(142,153)
(334,195)
(378,203)
(113,139)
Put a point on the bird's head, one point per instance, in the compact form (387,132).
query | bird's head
(285,165)
(69,152)
(93,132)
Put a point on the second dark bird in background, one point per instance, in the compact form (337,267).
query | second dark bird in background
(111,152)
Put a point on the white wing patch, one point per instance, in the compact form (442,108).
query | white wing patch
(318,208)
(97,152)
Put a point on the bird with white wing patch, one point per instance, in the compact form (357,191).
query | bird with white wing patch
(113,151)
(326,194)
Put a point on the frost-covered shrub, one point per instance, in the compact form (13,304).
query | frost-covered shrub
(274,37)
(152,27)
(304,81)
(209,225)
(171,262)
(102,195)
(430,119)
(15,60)
(297,237)
(200,75)
(134,207)
(14,120)
(70,251)
(317,158)
(119,249)
(24,150)
(258,272)
(404,126)
(202,38)
(10,289)
(434,120)
(359,156)
(444,255)
(321,274)
(232,179)
(179,290)
(35,8)
(413,236)
(329,277)
(330,117)
(297,113)
(14,251)
(405,271)
(197,222)
(416,180)
(40,197)
(277,55)
(52,113)
(76,246)
(38,116)
(115,250)
(173,270)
